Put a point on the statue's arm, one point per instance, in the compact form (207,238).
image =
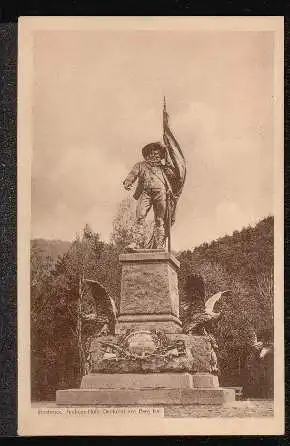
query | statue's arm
(132,176)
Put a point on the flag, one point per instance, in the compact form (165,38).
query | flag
(176,159)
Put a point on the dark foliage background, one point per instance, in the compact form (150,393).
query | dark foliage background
(242,262)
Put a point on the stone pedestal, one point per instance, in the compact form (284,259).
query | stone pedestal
(149,292)
(146,389)
(148,361)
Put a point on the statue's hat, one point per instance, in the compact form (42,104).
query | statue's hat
(153,146)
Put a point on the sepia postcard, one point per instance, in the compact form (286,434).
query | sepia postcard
(150,226)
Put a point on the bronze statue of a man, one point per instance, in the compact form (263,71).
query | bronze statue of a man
(154,176)
(160,178)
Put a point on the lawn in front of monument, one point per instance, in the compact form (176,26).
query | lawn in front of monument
(238,409)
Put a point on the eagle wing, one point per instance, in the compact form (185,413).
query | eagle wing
(105,307)
(210,303)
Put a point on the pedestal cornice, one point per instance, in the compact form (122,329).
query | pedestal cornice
(150,256)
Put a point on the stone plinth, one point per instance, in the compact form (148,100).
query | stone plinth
(146,389)
(149,381)
(147,397)
(149,292)
(137,381)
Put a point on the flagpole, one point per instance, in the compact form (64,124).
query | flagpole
(165,117)
(169,225)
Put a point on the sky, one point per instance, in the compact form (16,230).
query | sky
(98,100)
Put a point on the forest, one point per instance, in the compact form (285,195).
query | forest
(242,262)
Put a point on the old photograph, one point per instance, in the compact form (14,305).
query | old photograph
(150,222)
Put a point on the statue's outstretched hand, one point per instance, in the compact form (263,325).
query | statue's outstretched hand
(127,186)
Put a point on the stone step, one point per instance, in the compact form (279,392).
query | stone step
(149,380)
(148,397)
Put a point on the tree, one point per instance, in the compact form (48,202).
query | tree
(244,264)
(42,355)
(40,269)
(77,265)
(87,258)
(124,224)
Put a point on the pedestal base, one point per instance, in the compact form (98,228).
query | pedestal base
(148,397)
(146,389)
(131,381)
